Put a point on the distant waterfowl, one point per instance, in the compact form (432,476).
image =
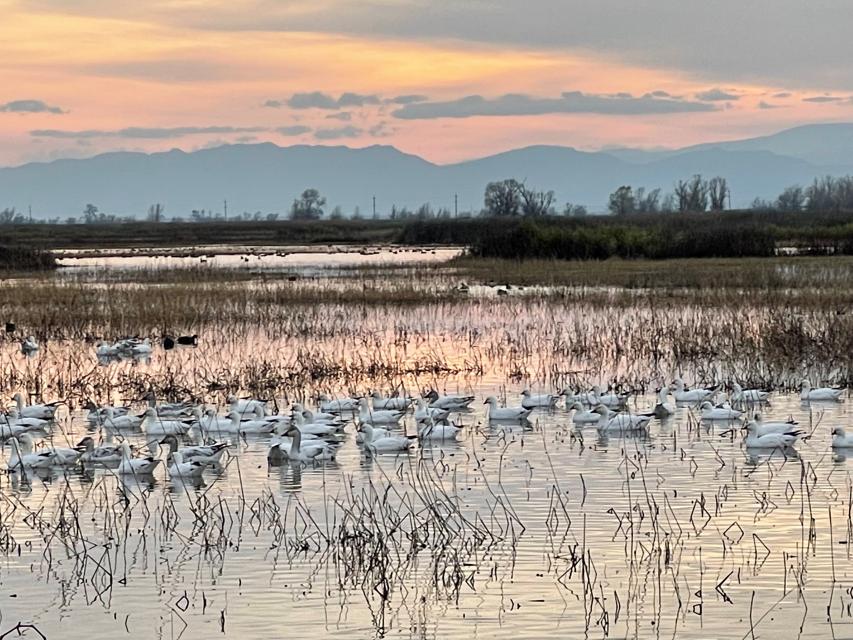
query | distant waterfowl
(452,403)
(294,450)
(763,428)
(190,341)
(542,401)
(168,343)
(366,416)
(756,440)
(841,439)
(135,466)
(436,431)
(245,406)
(106,350)
(102,454)
(822,393)
(206,454)
(710,412)
(380,441)
(41,411)
(620,422)
(663,407)
(29,345)
(120,422)
(392,403)
(501,414)
(23,458)
(157,425)
(582,415)
(97,415)
(753,396)
(683,395)
(249,426)
(321,429)
(180,468)
(13,418)
(169,409)
(64,456)
(424,413)
(341,405)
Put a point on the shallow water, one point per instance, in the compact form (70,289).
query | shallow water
(545,531)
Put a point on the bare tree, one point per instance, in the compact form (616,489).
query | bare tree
(536,203)
(622,201)
(791,199)
(155,212)
(503,198)
(718,191)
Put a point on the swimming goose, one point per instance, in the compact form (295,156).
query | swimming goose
(103,454)
(544,401)
(156,425)
(97,415)
(841,439)
(207,454)
(710,412)
(341,405)
(14,419)
(663,407)
(433,431)
(295,451)
(756,440)
(320,417)
(387,416)
(763,428)
(63,456)
(106,350)
(179,468)
(689,395)
(141,349)
(22,456)
(135,466)
(249,426)
(247,405)
(424,413)
(169,409)
(748,395)
(609,400)
(499,414)
(321,429)
(41,411)
(12,431)
(588,398)
(453,403)
(823,393)
(392,403)
(379,442)
(582,415)
(120,422)
(621,422)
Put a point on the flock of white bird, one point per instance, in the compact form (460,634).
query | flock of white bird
(190,434)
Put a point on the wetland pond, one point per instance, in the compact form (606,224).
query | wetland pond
(537,530)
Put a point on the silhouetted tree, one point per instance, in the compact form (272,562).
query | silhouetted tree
(503,198)
(155,212)
(536,203)
(309,206)
(718,191)
(622,201)
(791,199)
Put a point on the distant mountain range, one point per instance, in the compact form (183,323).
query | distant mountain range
(265,177)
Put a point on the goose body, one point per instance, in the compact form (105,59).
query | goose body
(686,396)
(376,441)
(103,454)
(433,431)
(245,406)
(207,454)
(14,419)
(40,411)
(392,404)
(249,426)
(135,466)
(499,414)
(179,468)
(621,422)
(22,456)
(822,393)
(749,396)
(338,405)
(156,425)
(386,416)
(542,401)
(756,440)
(425,413)
(321,429)
(97,415)
(841,439)
(763,428)
(65,456)
(29,345)
(710,412)
(295,451)
(452,403)
(582,415)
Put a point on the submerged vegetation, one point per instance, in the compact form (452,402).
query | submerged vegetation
(24,258)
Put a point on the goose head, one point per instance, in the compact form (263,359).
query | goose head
(234,417)
(172,443)
(432,396)
(150,413)
(491,401)
(362,404)
(86,444)
(805,385)
(706,406)
(838,431)
(576,406)
(526,393)
(601,410)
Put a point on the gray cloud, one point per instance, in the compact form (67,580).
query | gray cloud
(381,130)
(716,95)
(407,99)
(29,106)
(295,130)
(823,99)
(570,102)
(767,105)
(345,116)
(320,100)
(149,133)
(782,94)
(335,134)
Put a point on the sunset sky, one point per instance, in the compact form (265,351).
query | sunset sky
(447,80)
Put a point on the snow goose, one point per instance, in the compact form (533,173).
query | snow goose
(386,416)
(29,346)
(756,440)
(247,405)
(424,413)
(823,393)
(505,414)
(710,412)
(543,401)
(685,396)
(392,403)
(453,403)
(180,468)
(748,396)
(207,454)
(841,439)
(621,422)
(381,442)
(341,405)
(135,466)
(23,458)
(41,411)
(582,415)
(295,451)
(103,454)
(156,425)
(14,419)
(433,431)
(762,428)
(322,429)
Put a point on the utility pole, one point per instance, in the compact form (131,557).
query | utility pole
(30,210)
(374,207)
(455,205)
(225,208)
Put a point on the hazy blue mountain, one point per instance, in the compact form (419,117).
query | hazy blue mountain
(265,177)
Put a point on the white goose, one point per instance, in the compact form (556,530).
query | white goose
(135,466)
(621,422)
(379,442)
(663,407)
(750,396)
(543,401)
(387,416)
(841,439)
(169,409)
(763,428)
(505,414)
(582,415)
(244,406)
(23,458)
(29,345)
(63,456)
(315,416)
(103,454)
(686,396)
(121,422)
(393,403)
(341,405)
(155,425)
(322,429)
(97,415)
(14,419)
(710,412)
(179,468)
(425,413)
(755,440)
(41,411)
(453,403)
(249,426)
(106,350)
(296,452)
(433,431)
(207,454)
(822,393)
